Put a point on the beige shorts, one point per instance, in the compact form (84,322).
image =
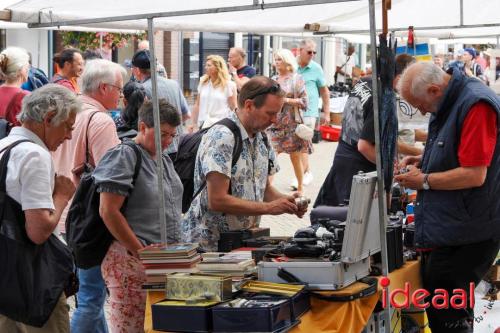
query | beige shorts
(58,321)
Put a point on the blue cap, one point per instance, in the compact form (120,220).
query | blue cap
(471,51)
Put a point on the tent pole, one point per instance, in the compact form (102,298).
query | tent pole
(461,12)
(380,178)
(159,150)
(261,6)
(498,41)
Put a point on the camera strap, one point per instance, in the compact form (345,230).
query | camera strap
(370,290)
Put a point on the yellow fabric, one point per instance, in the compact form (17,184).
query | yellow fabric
(330,317)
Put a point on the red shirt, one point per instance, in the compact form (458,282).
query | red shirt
(478,137)
(6,97)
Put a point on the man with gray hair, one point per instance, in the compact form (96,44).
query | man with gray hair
(457,214)
(94,134)
(47,118)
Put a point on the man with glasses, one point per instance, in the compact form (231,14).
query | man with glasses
(312,73)
(236,197)
(95,133)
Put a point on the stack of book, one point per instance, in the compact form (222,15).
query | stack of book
(237,264)
(159,260)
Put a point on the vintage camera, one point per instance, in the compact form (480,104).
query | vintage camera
(302,202)
(313,242)
(342,88)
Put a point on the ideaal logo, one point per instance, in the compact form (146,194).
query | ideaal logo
(440,300)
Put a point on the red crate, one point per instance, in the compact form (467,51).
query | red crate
(330,133)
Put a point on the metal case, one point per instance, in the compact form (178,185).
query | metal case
(189,286)
(361,239)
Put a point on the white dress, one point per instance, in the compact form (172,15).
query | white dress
(213,102)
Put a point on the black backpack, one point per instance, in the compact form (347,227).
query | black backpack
(185,158)
(86,233)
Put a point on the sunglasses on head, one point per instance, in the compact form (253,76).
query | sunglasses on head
(311,52)
(273,89)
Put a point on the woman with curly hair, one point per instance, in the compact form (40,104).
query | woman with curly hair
(282,132)
(216,94)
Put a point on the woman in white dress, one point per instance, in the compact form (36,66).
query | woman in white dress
(216,94)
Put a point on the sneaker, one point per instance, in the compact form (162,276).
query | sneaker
(308,178)
(294,184)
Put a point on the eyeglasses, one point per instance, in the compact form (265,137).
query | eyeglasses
(311,52)
(120,89)
(273,89)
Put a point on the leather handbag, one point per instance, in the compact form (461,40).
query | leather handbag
(34,276)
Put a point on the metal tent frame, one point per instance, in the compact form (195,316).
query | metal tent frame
(255,6)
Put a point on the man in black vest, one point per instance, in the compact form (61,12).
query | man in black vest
(457,213)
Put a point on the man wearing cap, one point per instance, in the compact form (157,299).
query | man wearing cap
(166,88)
(472,68)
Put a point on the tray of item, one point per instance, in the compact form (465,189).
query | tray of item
(297,294)
(254,313)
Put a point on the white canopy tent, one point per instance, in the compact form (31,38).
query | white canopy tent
(467,17)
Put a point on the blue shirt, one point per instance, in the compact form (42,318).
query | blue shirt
(314,80)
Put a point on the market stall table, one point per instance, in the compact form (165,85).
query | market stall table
(326,316)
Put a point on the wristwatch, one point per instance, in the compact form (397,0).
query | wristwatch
(426,185)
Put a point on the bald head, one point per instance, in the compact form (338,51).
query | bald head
(236,57)
(422,84)
(143,45)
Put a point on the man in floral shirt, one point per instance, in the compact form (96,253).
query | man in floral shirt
(217,209)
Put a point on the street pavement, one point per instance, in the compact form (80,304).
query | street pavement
(320,162)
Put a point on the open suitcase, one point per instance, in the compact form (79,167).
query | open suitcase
(361,240)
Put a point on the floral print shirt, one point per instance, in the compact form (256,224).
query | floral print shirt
(248,181)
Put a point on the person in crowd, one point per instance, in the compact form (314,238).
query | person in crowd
(14,67)
(47,118)
(134,95)
(69,68)
(139,225)
(95,132)
(90,54)
(356,149)
(457,211)
(282,133)
(239,70)
(471,67)
(167,89)
(345,64)
(312,74)
(36,77)
(216,97)
(160,69)
(235,198)
(438,61)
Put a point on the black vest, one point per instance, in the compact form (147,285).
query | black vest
(447,218)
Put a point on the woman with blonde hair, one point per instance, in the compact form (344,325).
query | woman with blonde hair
(14,68)
(216,94)
(282,132)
